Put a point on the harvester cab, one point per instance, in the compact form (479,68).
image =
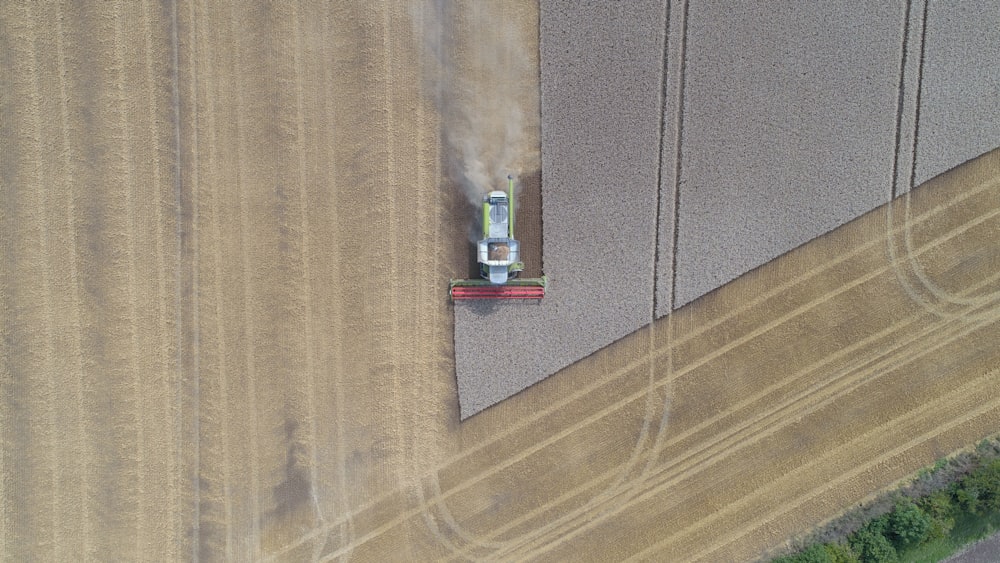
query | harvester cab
(499,256)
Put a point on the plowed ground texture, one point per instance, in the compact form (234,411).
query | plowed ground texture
(225,329)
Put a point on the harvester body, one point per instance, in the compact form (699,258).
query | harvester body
(498,253)
(499,256)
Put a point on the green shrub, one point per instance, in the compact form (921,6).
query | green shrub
(840,553)
(821,553)
(814,554)
(939,508)
(984,446)
(873,547)
(980,491)
(878,525)
(966,499)
(907,524)
(928,472)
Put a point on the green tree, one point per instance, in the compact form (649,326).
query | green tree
(908,525)
(878,525)
(873,547)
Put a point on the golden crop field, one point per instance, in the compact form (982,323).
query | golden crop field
(227,234)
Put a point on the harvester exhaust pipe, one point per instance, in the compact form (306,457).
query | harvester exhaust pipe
(510,205)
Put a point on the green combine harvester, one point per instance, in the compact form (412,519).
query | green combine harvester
(498,255)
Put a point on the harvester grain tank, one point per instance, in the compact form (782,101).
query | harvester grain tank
(498,254)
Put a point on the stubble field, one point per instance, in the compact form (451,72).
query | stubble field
(227,234)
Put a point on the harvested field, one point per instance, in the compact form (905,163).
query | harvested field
(216,345)
(685,143)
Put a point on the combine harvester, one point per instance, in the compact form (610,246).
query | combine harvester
(498,255)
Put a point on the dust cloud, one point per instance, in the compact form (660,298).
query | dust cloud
(480,71)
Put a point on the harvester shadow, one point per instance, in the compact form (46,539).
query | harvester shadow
(482,308)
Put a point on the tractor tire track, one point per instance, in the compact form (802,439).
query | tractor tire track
(937,202)
(215,511)
(868,245)
(687,465)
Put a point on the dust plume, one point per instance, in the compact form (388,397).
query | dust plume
(481,72)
